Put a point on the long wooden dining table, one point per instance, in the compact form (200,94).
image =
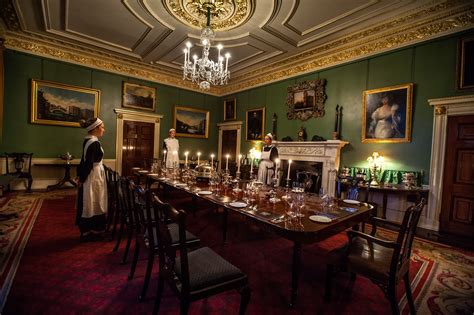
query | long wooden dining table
(274,216)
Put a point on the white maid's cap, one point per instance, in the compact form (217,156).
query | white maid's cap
(269,135)
(94,125)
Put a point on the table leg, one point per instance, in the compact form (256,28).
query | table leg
(224,225)
(384,206)
(66,179)
(295,272)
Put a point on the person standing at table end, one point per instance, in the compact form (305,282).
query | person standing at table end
(92,194)
(267,163)
(171,145)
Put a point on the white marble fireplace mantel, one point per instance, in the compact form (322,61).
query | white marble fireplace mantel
(326,152)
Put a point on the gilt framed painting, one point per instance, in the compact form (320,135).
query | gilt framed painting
(191,122)
(139,96)
(61,104)
(386,115)
(230,112)
(255,124)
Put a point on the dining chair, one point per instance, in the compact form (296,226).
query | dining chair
(384,262)
(148,235)
(196,274)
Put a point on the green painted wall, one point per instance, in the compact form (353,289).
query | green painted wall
(431,66)
(50,141)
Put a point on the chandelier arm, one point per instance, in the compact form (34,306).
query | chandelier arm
(208,24)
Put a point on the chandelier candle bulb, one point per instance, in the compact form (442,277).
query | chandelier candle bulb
(289,166)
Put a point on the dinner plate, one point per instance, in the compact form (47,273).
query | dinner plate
(143,172)
(153,174)
(204,192)
(180,184)
(238,204)
(351,202)
(320,219)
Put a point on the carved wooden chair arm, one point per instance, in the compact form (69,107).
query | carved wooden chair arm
(373,239)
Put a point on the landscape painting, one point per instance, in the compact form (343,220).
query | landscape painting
(138,96)
(63,105)
(191,122)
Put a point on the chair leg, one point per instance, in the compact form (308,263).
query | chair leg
(184,306)
(245,298)
(329,276)
(136,253)
(159,293)
(127,247)
(392,296)
(149,268)
(411,303)
(119,237)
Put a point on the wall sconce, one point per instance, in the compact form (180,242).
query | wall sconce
(375,167)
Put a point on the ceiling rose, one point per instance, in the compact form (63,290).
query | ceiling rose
(229,14)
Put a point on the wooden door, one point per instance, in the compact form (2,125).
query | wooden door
(457,207)
(138,141)
(229,146)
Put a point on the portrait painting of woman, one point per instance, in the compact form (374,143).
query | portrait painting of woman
(387,114)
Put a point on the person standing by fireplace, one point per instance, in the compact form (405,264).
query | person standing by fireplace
(266,169)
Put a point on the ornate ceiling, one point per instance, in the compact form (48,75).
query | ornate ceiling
(269,40)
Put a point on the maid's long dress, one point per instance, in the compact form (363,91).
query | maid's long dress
(171,145)
(266,167)
(92,195)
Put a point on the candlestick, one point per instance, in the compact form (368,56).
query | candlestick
(186,158)
(227,162)
(212,161)
(238,164)
(289,166)
(199,155)
(251,166)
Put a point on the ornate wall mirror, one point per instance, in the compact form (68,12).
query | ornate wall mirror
(306,99)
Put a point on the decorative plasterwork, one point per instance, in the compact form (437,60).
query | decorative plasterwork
(427,23)
(231,14)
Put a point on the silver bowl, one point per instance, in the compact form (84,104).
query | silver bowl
(203,171)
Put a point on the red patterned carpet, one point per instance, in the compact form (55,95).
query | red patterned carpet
(58,274)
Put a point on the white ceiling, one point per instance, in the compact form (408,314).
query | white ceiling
(144,32)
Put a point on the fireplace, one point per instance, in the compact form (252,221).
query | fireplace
(324,153)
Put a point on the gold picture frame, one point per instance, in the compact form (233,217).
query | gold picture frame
(230,109)
(138,96)
(191,122)
(255,124)
(387,114)
(60,104)
(465,64)
(306,99)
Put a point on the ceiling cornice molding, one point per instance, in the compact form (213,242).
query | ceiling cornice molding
(450,18)
(428,22)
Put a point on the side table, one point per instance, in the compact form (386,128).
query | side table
(67,174)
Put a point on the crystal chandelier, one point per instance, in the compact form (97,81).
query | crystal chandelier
(205,71)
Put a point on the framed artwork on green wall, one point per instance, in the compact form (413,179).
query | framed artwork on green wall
(255,122)
(61,104)
(230,109)
(386,115)
(465,64)
(191,122)
(138,96)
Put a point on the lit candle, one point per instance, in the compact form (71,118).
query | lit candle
(238,164)
(227,56)
(289,166)
(164,155)
(212,160)
(251,165)
(186,158)
(199,154)
(277,164)
(227,162)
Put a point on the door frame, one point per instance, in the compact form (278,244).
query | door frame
(443,108)
(129,115)
(231,125)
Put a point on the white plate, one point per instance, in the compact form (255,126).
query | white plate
(320,219)
(238,204)
(351,202)
(143,172)
(180,184)
(153,174)
(204,192)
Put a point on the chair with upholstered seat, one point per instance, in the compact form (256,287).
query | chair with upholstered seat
(384,262)
(145,232)
(196,274)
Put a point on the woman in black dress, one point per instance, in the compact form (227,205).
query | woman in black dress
(92,195)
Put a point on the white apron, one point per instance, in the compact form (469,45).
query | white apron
(94,188)
(172,144)
(265,171)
